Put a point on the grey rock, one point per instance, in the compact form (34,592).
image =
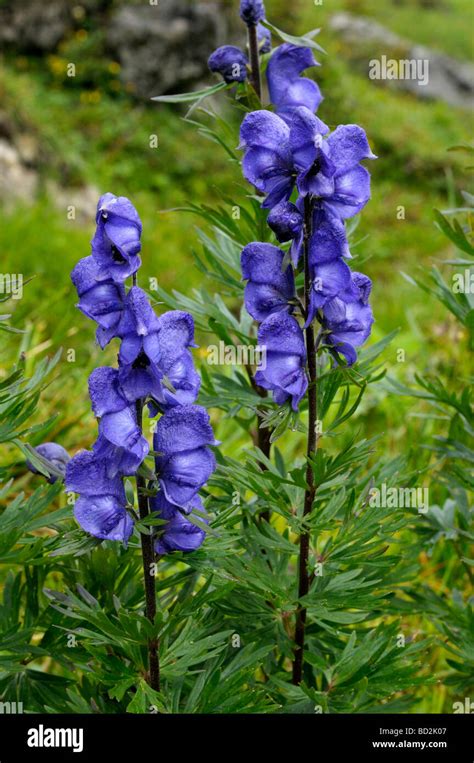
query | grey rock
(447,79)
(164,48)
(35,25)
(18,183)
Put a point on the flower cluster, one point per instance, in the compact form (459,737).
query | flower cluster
(311,180)
(155,367)
(230,61)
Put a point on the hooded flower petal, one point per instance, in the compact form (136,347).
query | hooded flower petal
(185,462)
(104,516)
(284,372)
(252,11)
(349,323)
(264,37)
(87,475)
(230,62)
(116,243)
(56,455)
(329,280)
(348,145)
(269,287)
(267,163)
(287,89)
(100,300)
(179,534)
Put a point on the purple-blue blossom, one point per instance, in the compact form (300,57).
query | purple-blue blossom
(179,533)
(348,324)
(264,37)
(229,61)
(280,154)
(287,89)
(116,242)
(120,444)
(269,288)
(56,455)
(283,371)
(252,11)
(185,461)
(101,300)
(101,506)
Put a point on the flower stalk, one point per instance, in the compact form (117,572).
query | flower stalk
(148,559)
(312,444)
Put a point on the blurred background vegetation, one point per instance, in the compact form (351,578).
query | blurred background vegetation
(71,138)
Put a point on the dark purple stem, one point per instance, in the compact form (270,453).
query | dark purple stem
(254,59)
(303,574)
(148,557)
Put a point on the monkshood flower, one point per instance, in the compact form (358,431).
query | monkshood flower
(229,61)
(185,462)
(269,288)
(120,443)
(264,37)
(284,373)
(277,151)
(267,163)
(349,323)
(328,239)
(154,347)
(101,506)
(280,154)
(330,169)
(179,533)
(176,334)
(252,11)
(116,243)
(57,456)
(287,89)
(286,221)
(101,300)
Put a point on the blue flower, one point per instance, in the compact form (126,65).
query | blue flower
(252,11)
(185,462)
(287,89)
(101,300)
(176,334)
(269,288)
(179,533)
(264,37)
(139,328)
(286,221)
(101,507)
(268,162)
(56,455)
(230,62)
(120,444)
(285,358)
(330,169)
(116,243)
(153,348)
(349,323)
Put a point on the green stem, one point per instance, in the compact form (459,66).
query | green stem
(148,557)
(312,444)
